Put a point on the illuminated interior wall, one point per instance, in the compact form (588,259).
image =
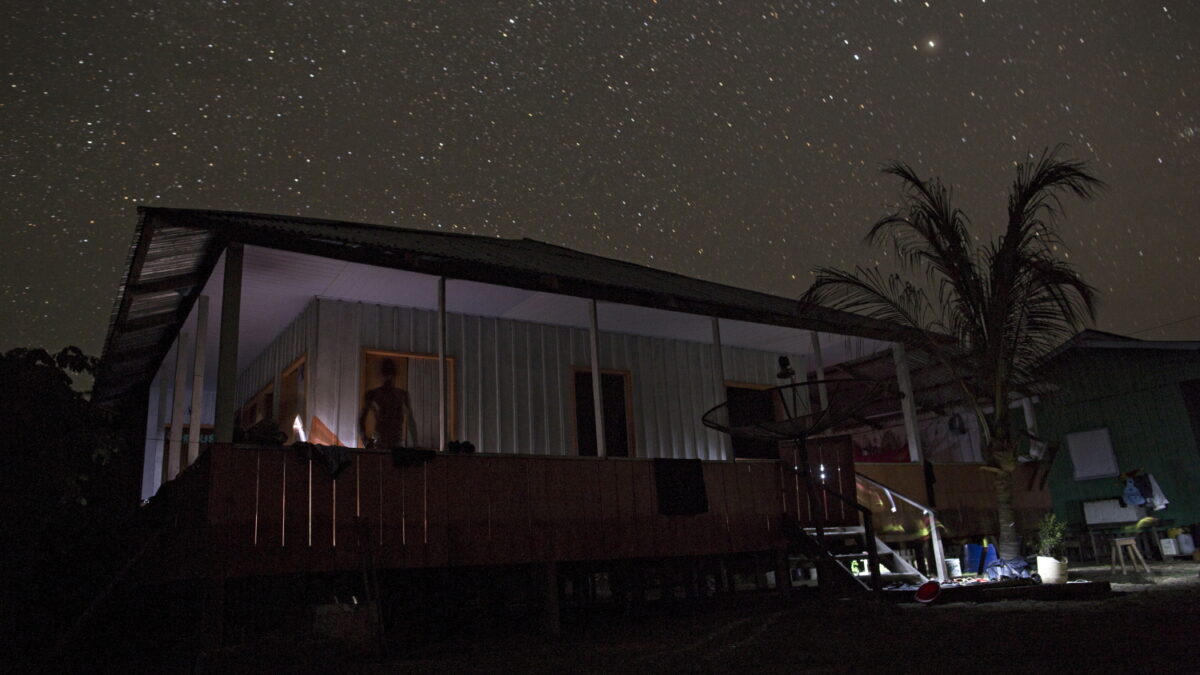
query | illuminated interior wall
(513,378)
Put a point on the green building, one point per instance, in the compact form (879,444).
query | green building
(1122,404)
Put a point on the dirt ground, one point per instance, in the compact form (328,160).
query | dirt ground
(1150,624)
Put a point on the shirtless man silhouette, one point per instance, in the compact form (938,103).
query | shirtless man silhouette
(394,420)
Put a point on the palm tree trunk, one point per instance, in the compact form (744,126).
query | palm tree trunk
(1005,460)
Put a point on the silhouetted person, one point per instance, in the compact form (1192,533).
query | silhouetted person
(394,420)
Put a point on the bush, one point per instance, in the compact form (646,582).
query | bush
(1051,532)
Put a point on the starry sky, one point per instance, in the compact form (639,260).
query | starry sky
(736,141)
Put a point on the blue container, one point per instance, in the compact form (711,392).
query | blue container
(974,560)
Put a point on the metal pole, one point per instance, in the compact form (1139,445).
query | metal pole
(719,374)
(597,402)
(198,379)
(872,550)
(227,348)
(814,504)
(819,364)
(441,326)
(175,447)
(159,438)
(908,403)
(939,554)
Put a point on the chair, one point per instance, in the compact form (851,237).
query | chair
(1074,543)
(1119,547)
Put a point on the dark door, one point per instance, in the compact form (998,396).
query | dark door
(748,406)
(616,421)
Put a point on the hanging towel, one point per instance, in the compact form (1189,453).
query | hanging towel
(680,486)
(1157,499)
(335,458)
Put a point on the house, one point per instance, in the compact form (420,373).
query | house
(571,376)
(1122,406)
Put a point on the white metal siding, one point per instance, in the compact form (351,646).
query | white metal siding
(288,346)
(514,378)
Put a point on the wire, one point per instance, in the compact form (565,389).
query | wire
(1164,325)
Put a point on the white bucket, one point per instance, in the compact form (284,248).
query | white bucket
(953,567)
(1186,545)
(1051,570)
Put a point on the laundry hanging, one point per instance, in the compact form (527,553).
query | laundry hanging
(1141,489)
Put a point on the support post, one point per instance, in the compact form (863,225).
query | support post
(872,543)
(783,573)
(160,431)
(908,403)
(198,379)
(819,365)
(547,574)
(227,357)
(939,554)
(441,337)
(597,401)
(175,446)
(212,613)
(719,374)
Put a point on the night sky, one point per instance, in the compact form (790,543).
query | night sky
(738,141)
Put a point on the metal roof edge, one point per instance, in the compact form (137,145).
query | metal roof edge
(826,318)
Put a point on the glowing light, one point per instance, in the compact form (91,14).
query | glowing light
(298,427)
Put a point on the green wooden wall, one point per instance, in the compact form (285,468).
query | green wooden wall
(1135,393)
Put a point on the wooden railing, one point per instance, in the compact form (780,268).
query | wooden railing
(269,510)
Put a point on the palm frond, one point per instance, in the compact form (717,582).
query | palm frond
(1006,304)
(868,292)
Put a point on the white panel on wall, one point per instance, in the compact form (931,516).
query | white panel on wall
(1092,454)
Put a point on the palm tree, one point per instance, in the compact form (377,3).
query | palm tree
(987,311)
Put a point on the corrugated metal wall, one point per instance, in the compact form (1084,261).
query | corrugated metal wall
(1135,394)
(158,415)
(514,378)
(158,412)
(289,345)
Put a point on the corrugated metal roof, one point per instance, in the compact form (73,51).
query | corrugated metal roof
(1095,339)
(174,251)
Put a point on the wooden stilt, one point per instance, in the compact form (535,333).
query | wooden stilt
(212,613)
(783,574)
(547,581)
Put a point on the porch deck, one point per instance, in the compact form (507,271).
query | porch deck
(246,510)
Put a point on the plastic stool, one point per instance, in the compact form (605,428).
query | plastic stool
(1119,546)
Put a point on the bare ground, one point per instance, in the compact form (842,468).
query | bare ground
(1149,625)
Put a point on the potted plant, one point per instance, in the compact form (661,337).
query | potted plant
(1051,558)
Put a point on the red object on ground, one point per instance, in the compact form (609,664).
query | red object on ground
(929,591)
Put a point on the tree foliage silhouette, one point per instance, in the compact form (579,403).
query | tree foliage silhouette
(988,311)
